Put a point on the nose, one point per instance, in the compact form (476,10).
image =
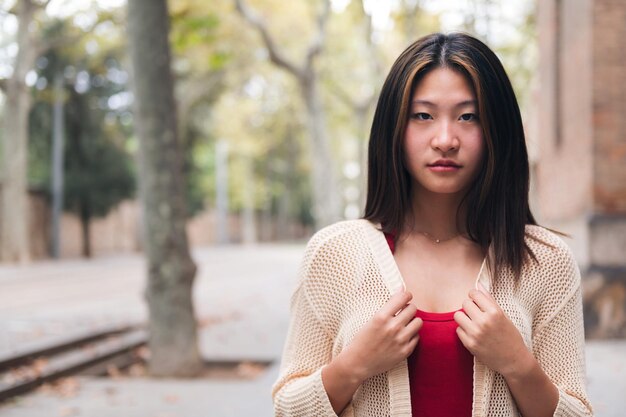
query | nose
(445,139)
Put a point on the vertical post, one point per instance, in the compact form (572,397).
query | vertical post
(249,235)
(57,166)
(221,200)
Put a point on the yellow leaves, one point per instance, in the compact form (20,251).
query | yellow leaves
(31,371)
(64,388)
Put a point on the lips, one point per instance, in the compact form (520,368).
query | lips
(445,163)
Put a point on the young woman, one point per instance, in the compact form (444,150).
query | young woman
(446,299)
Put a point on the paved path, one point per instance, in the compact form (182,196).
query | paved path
(242,296)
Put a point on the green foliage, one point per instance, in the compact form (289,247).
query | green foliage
(98,171)
(191,31)
(199,164)
(227,89)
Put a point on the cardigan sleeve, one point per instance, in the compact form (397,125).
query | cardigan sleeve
(299,390)
(559,343)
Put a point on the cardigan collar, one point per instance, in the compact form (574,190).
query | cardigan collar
(398,376)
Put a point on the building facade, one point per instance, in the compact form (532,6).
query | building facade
(580,173)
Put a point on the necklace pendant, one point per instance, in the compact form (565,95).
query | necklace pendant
(437,240)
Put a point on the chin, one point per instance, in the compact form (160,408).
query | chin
(440,187)
(446,192)
(443,189)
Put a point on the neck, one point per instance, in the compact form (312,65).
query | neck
(435,214)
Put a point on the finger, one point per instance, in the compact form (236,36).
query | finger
(413,342)
(412,329)
(464,338)
(464,322)
(471,309)
(481,300)
(407,314)
(396,303)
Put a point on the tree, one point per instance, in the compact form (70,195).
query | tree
(97,168)
(171,271)
(98,172)
(356,91)
(196,43)
(15,220)
(31,43)
(326,195)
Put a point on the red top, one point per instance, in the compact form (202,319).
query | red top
(441,369)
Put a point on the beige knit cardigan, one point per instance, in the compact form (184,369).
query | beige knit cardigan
(349,273)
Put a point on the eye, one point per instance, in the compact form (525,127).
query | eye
(468,117)
(421,116)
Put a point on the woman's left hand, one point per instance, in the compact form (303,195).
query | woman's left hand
(489,335)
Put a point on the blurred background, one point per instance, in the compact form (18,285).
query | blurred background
(166,215)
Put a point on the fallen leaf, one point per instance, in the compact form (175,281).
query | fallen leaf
(250,369)
(66,387)
(137,370)
(113,371)
(171,399)
(68,411)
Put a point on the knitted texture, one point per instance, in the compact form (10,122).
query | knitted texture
(348,273)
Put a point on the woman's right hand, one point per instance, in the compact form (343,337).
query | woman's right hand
(388,338)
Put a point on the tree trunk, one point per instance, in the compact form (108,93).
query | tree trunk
(360,114)
(327,201)
(292,156)
(57,167)
(15,211)
(85,219)
(327,195)
(173,339)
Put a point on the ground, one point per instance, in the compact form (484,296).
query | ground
(242,302)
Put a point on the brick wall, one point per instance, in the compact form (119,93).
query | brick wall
(609,106)
(580,179)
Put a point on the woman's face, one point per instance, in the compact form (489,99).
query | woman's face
(443,142)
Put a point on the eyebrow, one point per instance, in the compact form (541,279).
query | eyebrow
(460,104)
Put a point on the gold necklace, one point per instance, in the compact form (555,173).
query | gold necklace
(434,239)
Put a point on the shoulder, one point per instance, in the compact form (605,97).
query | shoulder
(547,244)
(333,254)
(341,236)
(555,262)
(330,268)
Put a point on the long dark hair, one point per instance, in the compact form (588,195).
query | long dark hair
(497,202)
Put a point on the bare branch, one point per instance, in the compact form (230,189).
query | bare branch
(364,103)
(318,41)
(356,105)
(275,55)
(12,11)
